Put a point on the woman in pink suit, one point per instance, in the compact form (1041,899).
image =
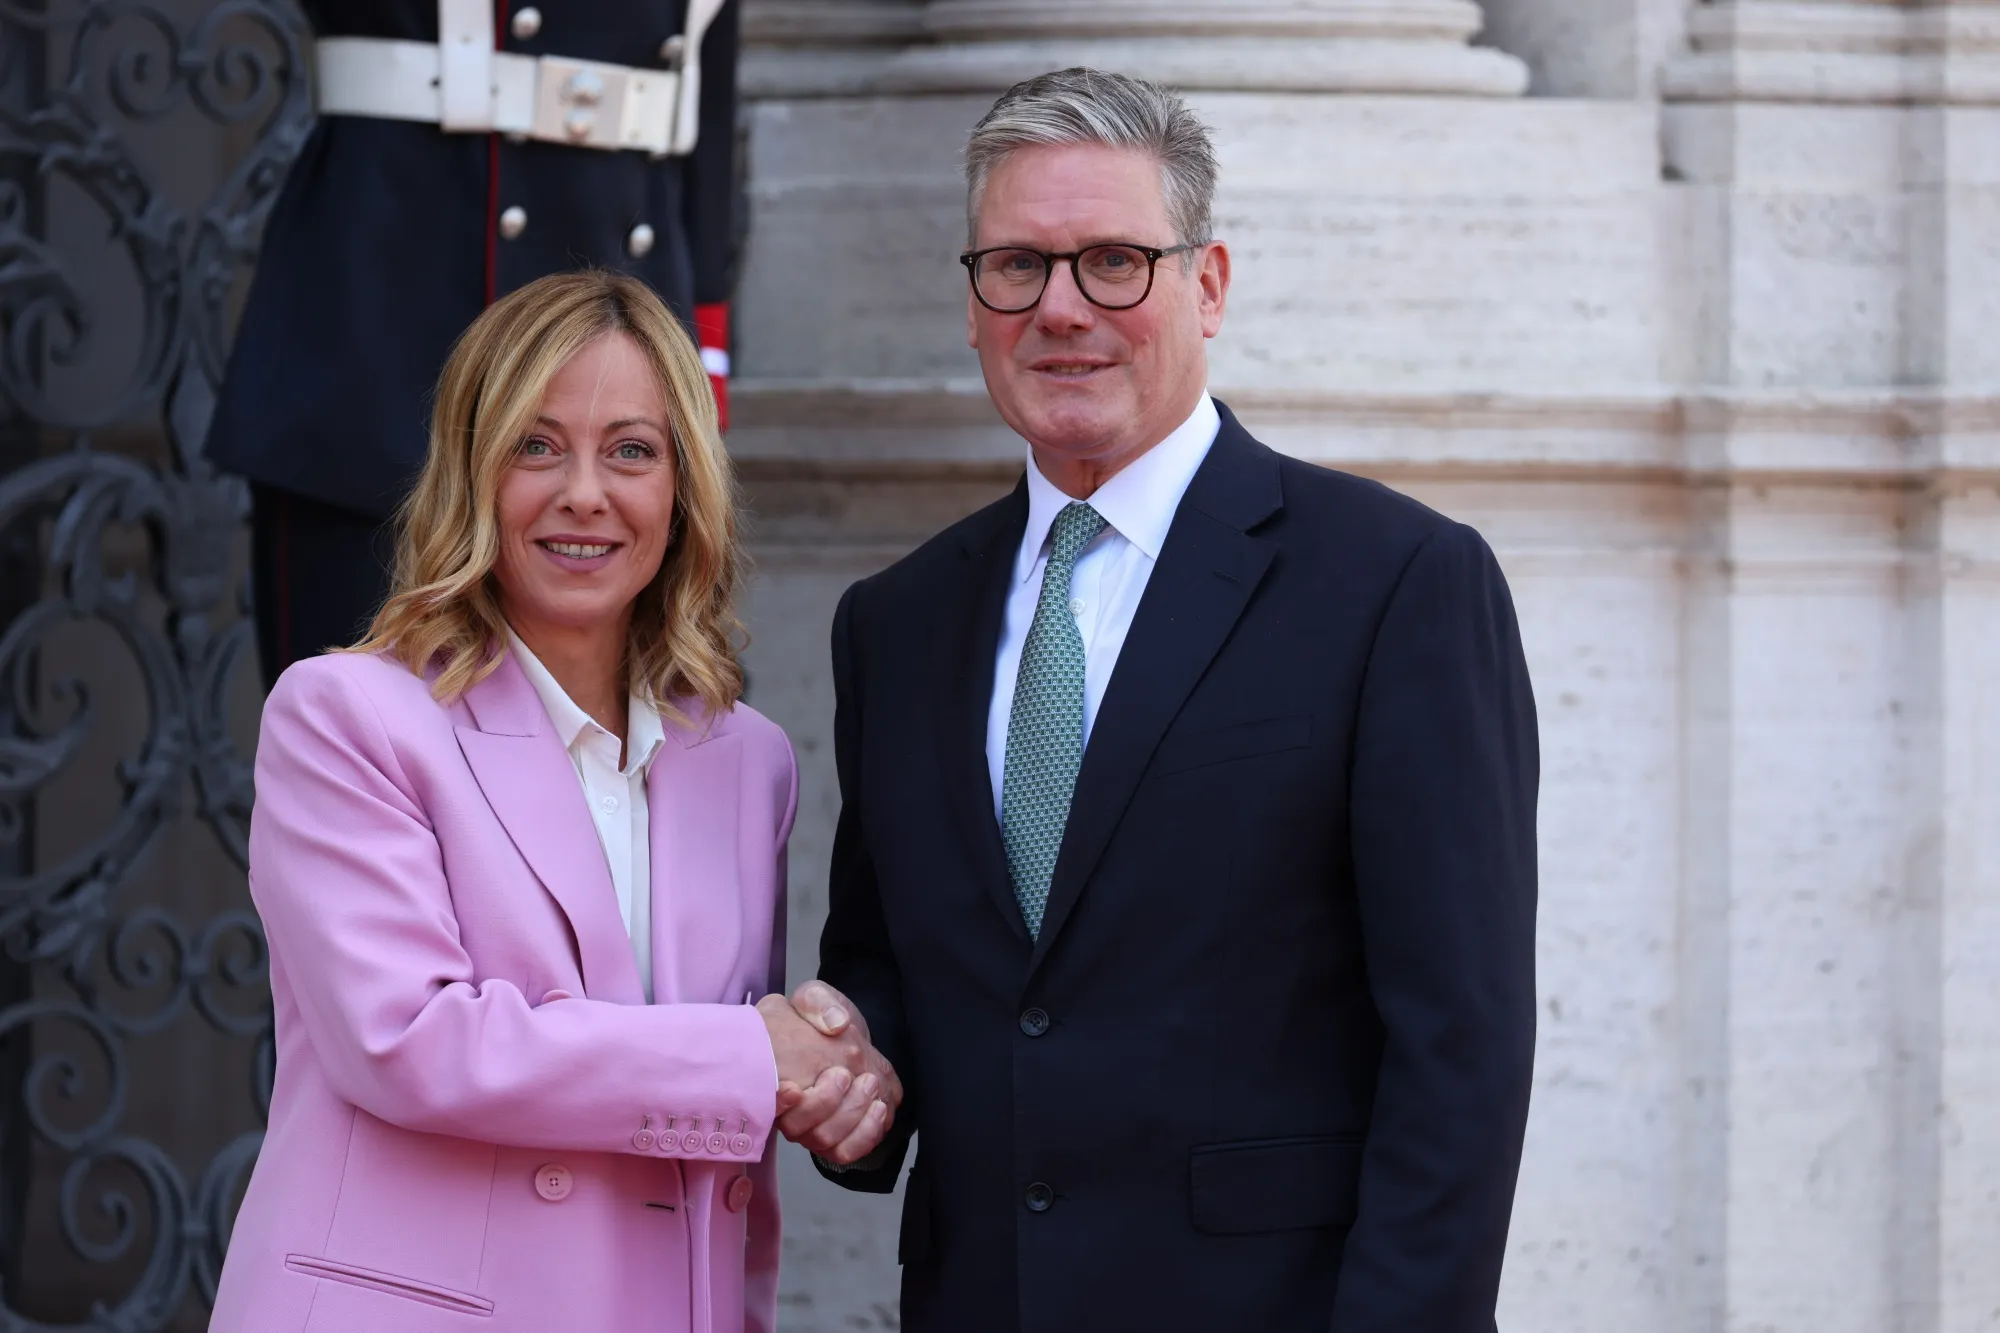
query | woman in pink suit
(521,860)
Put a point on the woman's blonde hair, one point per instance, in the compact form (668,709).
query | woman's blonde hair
(443,612)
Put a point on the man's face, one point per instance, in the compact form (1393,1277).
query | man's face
(1087,386)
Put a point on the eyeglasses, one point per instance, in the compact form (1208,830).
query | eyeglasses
(1009,279)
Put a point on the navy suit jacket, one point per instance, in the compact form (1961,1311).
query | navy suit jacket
(1267,1065)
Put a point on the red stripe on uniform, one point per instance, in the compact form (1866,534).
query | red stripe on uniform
(492,218)
(493,177)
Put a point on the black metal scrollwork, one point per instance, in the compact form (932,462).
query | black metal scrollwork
(75,81)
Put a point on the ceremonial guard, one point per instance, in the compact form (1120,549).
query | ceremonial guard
(464,149)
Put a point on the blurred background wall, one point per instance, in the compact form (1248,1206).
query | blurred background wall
(1688,307)
(1692,310)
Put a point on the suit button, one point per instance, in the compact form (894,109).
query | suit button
(553,1182)
(1039,1198)
(738,1198)
(691,1142)
(643,1140)
(527,22)
(639,241)
(740,1145)
(513,221)
(718,1143)
(1035,1022)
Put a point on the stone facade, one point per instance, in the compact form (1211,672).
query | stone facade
(1692,310)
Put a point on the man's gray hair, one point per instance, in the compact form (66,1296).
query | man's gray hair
(1075,106)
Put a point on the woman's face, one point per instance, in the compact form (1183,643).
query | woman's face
(586,504)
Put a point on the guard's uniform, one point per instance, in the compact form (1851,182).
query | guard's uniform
(391,234)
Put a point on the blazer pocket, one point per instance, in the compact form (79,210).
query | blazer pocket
(1238,740)
(389,1284)
(1275,1184)
(913,1245)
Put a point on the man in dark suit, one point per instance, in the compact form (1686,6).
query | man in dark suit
(1186,864)
(586,132)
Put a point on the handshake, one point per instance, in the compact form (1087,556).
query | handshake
(837,1096)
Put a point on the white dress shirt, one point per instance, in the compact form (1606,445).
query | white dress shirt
(616,796)
(1137,505)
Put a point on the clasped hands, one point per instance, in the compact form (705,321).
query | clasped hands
(837,1096)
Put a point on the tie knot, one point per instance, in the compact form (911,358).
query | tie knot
(1074,529)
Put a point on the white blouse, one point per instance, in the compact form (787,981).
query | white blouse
(616,795)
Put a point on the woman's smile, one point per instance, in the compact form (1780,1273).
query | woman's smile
(578,553)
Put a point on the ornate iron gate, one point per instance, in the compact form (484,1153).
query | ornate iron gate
(121,598)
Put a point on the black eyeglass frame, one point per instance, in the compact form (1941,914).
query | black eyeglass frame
(1153,255)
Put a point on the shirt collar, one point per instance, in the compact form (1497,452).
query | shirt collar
(644,732)
(1138,501)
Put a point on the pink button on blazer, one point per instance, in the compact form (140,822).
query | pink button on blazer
(478,1124)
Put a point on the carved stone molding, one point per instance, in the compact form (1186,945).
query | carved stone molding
(1852,51)
(1372,46)
(1863,437)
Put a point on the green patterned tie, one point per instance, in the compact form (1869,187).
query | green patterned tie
(1045,729)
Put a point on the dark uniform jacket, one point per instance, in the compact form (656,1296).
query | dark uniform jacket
(1266,1067)
(385,244)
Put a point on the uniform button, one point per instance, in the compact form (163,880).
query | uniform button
(644,1140)
(741,1190)
(1039,1197)
(513,221)
(1035,1022)
(740,1145)
(691,1142)
(639,241)
(553,1182)
(718,1144)
(527,22)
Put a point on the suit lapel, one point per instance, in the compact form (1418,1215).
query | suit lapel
(1209,568)
(529,780)
(693,800)
(968,628)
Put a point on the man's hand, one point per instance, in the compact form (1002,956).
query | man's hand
(835,1118)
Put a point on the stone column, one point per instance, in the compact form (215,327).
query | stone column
(805,48)
(1590,48)
(1379,46)
(1842,186)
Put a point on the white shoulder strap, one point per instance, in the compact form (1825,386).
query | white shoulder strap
(687,117)
(465,64)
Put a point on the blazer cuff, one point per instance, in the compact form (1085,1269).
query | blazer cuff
(732,1120)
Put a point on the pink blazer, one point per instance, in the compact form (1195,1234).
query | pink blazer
(478,1124)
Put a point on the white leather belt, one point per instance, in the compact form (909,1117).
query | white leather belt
(581,102)
(461,84)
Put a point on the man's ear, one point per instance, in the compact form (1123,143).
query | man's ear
(971,321)
(1214,280)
